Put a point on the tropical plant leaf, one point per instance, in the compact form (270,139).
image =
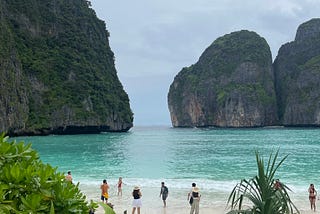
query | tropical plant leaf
(107,209)
(29,186)
(259,194)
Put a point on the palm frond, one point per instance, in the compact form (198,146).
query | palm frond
(259,192)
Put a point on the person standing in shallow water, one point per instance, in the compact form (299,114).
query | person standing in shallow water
(120,186)
(136,204)
(277,185)
(312,197)
(69,176)
(164,192)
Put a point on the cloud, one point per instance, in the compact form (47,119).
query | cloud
(154,40)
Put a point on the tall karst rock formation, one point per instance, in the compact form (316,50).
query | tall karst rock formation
(57,70)
(297,75)
(232,85)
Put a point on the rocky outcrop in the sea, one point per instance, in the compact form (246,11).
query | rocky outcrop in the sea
(297,75)
(232,85)
(57,70)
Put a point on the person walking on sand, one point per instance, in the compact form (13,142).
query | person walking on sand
(164,192)
(69,176)
(312,197)
(104,191)
(137,203)
(196,199)
(119,186)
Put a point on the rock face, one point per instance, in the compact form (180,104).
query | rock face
(57,70)
(297,75)
(232,85)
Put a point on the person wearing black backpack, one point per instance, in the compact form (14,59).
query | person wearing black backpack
(164,192)
(190,199)
(195,195)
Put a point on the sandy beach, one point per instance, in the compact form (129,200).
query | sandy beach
(181,210)
(211,203)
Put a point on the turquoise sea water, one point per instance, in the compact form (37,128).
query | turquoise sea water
(214,158)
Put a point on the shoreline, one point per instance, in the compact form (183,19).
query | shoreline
(211,202)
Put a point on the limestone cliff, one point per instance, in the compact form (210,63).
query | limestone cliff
(297,75)
(57,69)
(232,85)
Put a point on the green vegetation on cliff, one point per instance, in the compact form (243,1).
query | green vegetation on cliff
(227,51)
(297,76)
(62,49)
(231,85)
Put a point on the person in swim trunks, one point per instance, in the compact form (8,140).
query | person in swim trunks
(312,197)
(104,191)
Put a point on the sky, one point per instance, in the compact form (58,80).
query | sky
(154,39)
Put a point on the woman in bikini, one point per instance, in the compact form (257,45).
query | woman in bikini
(120,186)
(312,197)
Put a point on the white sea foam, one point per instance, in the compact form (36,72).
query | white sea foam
(215,159)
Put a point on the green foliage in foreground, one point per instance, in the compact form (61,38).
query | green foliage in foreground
(29,186)
(107,209)
(258,195)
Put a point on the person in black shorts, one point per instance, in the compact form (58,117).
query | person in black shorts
(164,192)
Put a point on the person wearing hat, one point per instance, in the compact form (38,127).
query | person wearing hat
(195,194)
(136,204)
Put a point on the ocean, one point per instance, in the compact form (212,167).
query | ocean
(216,159)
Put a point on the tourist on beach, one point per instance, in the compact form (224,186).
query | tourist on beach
(196,199)
(190,199)
(164,192)
(136,204)
(312,196)
(277,185)
(120,186)
(69,176)
(104,191)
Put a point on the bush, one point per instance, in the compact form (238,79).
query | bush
(29,186)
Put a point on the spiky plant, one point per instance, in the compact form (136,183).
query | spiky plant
(258,195)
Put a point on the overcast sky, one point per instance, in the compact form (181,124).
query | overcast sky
(154,39)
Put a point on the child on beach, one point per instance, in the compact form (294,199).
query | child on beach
(120,186)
